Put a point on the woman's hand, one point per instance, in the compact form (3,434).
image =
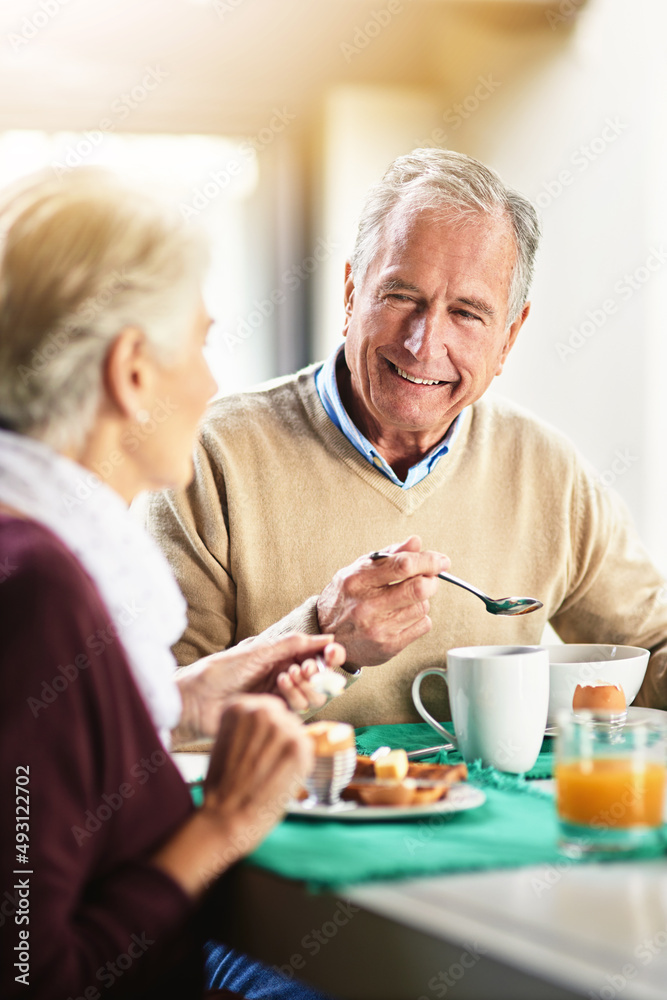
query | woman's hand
(283,668)
(294,685)
(260,756)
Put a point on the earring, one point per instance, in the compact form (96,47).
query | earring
(142,416)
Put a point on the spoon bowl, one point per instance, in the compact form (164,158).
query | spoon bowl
(501,606)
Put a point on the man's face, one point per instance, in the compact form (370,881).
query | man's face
(432,306)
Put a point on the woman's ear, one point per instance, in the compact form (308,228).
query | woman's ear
(129,372)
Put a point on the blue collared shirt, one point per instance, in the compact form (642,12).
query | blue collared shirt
(327,389)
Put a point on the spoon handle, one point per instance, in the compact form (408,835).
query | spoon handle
(445,576)
(466,586)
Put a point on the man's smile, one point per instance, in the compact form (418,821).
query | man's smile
(414,378)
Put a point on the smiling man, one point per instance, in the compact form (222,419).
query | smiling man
(392,439)
(428,326)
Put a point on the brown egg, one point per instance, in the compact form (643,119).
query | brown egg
(599,695)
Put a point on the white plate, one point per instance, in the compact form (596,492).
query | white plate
(460,797)
(193,766)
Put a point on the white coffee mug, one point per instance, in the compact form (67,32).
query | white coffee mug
(499,697)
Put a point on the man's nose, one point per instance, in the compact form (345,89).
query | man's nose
(426,339)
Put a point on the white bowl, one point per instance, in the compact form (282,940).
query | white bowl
(580,663)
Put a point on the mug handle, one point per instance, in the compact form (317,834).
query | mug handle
(416,697)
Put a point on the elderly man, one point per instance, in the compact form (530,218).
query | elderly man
(391,437)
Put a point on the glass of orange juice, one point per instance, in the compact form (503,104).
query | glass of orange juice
(610,782)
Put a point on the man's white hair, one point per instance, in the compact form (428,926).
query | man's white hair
(452,182)
(82,257)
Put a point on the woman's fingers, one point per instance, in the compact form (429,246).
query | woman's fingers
(308,669)
(295,688)
(334,654)
(255,731)
(291,693)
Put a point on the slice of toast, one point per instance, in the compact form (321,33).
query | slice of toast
(406,792)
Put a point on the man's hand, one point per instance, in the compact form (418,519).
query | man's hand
(376,609)
(283,668)
(260,755)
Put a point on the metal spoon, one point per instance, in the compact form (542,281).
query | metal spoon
(502,606)
(414,754)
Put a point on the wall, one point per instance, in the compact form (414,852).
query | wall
(365,128)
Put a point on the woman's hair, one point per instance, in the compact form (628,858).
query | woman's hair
(452,182)
(82,257)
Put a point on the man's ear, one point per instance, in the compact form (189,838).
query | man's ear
(129,372)
(510,338)
(348,297)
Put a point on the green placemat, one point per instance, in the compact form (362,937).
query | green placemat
(516,826)
(416,736)
(508,831)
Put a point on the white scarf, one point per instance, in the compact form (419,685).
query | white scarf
(130,572)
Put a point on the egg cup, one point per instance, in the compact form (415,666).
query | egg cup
(330,775)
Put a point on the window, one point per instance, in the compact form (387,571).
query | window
(214,181)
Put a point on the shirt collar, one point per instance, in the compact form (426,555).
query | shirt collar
(327,388)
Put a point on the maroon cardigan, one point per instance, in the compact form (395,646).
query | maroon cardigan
(80,754)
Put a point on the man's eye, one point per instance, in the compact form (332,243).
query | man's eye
(466,314)
(399,297)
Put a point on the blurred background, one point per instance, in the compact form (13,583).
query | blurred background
(268,120)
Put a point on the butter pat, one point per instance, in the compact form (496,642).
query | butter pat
(392,767)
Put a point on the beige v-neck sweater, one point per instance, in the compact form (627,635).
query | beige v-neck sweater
(281,500)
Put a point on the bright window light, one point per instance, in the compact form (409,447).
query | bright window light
(210,178)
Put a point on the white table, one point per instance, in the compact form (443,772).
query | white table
(530,934)
(544,933)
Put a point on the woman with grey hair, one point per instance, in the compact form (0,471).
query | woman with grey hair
(102,386)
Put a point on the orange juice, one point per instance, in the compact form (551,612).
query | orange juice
(610,792)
